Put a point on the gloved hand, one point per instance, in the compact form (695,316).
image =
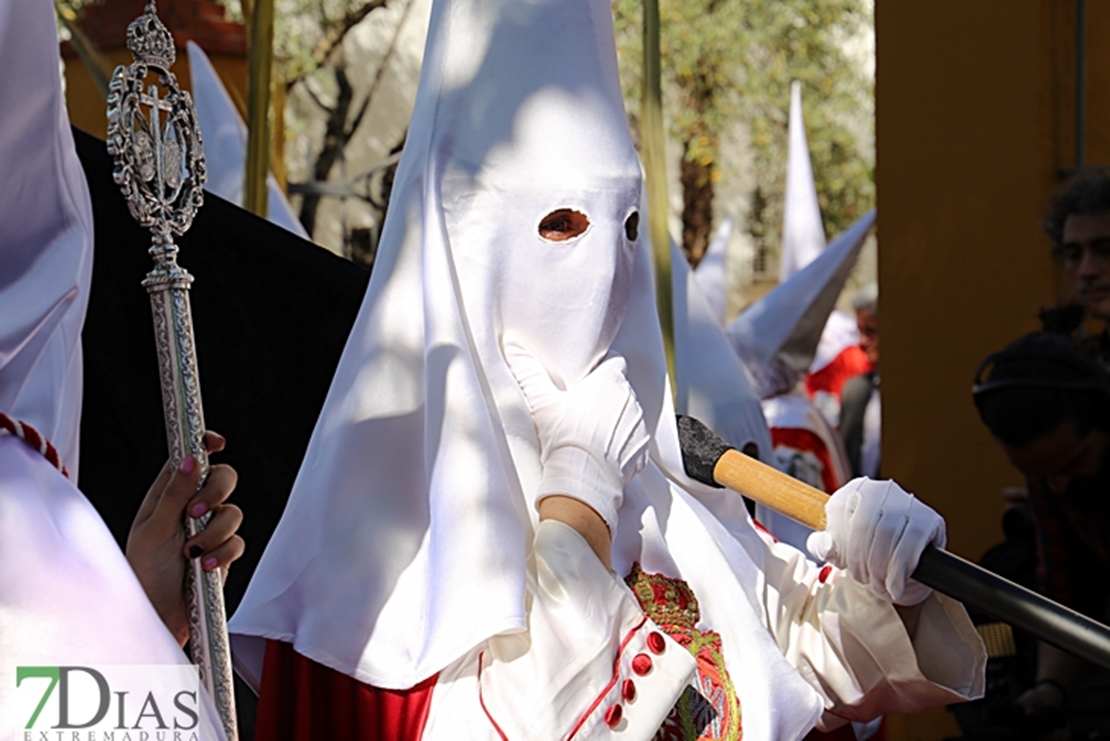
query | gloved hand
(876,531)
(592,436)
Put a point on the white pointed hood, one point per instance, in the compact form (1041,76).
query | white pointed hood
(777,336)
(225,143)
(711,381)
(407,535)
(712,272)
(803,234)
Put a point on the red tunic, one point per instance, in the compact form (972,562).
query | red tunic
(300,700)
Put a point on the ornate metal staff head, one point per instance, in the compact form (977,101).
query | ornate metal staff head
(159,160)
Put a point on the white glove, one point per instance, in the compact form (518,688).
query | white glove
(876,531)
(592,436)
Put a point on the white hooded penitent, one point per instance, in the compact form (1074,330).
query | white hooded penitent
(67,594)
(407,542)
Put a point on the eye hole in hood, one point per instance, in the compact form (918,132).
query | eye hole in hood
(563,224)
(632,226)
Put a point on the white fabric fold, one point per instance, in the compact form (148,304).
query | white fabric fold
(712,272)
(46,236)
(943,663)
(711,382)
(560,677)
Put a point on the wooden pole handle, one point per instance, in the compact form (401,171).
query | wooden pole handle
(771,487)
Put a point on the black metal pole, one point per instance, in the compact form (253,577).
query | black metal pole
(1014,604)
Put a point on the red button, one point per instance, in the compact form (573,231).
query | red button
(825,571)
(628,690)
(656,643)
(613,715)
(641,664)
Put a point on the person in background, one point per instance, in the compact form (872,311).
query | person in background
(1078,223)
(1047,404)
(861,407)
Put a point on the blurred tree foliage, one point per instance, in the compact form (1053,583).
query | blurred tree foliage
(306,32)
(308,59)
(728,64)
(308,54)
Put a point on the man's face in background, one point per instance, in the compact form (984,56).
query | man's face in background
(1086,253)
(868,325)
(1060,457)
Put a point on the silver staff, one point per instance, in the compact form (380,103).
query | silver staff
(159,165)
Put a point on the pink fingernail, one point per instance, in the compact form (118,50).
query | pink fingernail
(210,563)
(188,463)
(198,509)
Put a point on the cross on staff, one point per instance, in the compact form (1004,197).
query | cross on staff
(156,104)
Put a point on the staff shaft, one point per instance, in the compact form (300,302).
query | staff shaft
(168,285)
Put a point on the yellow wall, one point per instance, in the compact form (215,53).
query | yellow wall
(974,106)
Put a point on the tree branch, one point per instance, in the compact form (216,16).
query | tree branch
(315,97)
(335,139)
(334,32)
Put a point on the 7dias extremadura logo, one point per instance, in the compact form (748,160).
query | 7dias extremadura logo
(107,703)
